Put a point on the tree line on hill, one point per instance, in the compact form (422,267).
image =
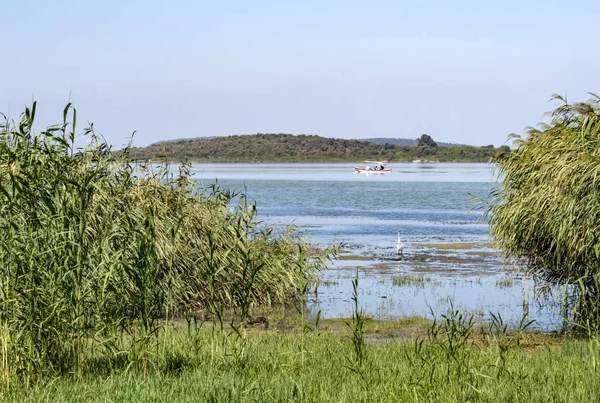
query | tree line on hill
(407,142)
(306,148)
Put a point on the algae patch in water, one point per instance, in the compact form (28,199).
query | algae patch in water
(416,281)
(408,325)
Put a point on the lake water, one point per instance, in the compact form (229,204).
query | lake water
(448,262)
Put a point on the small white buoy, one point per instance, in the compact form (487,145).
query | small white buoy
(399,245)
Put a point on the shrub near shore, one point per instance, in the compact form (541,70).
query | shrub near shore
(546,210)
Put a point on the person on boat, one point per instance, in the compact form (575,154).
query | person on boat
(381,167)
(368,168)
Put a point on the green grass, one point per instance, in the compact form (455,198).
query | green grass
(192,367)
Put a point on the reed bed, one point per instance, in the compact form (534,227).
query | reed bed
(546,211)
(96,252)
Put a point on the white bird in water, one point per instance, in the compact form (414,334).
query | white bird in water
(399,245)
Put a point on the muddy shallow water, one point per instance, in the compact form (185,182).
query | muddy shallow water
(425,281)
(448,260)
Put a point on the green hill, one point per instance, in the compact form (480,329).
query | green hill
(305,148)
(407,142)
(265,147)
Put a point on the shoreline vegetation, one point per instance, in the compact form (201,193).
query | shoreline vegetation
(96,252)
(408,361)
(287,148)
(119,282)
(546,209)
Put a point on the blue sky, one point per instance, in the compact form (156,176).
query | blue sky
(461,71)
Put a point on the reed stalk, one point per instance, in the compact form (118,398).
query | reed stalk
(96,252)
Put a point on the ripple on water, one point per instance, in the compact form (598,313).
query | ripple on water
(446,241)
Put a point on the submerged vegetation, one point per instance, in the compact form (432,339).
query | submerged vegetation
(504,282)
(416,281)
(96,252)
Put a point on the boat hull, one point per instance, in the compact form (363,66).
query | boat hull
(359,170)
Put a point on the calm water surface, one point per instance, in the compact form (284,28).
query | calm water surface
(433,208)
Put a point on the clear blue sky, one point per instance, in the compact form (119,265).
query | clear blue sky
(461,71)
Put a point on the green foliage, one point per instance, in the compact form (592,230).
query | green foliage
(454,362)
(469,153)
(357,327)
(303,148)
(94,252)
(547,208)
(426,141)
(426,146)
(265,147)
(407,142)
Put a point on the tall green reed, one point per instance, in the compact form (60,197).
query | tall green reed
(546,210)
(96,252)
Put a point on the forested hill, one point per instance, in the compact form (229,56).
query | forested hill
(408,142)
(306,148)
(397,141)
(265,147)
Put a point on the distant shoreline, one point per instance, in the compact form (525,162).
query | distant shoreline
(288,148)
(330,161)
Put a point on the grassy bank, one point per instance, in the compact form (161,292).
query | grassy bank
(440,364)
